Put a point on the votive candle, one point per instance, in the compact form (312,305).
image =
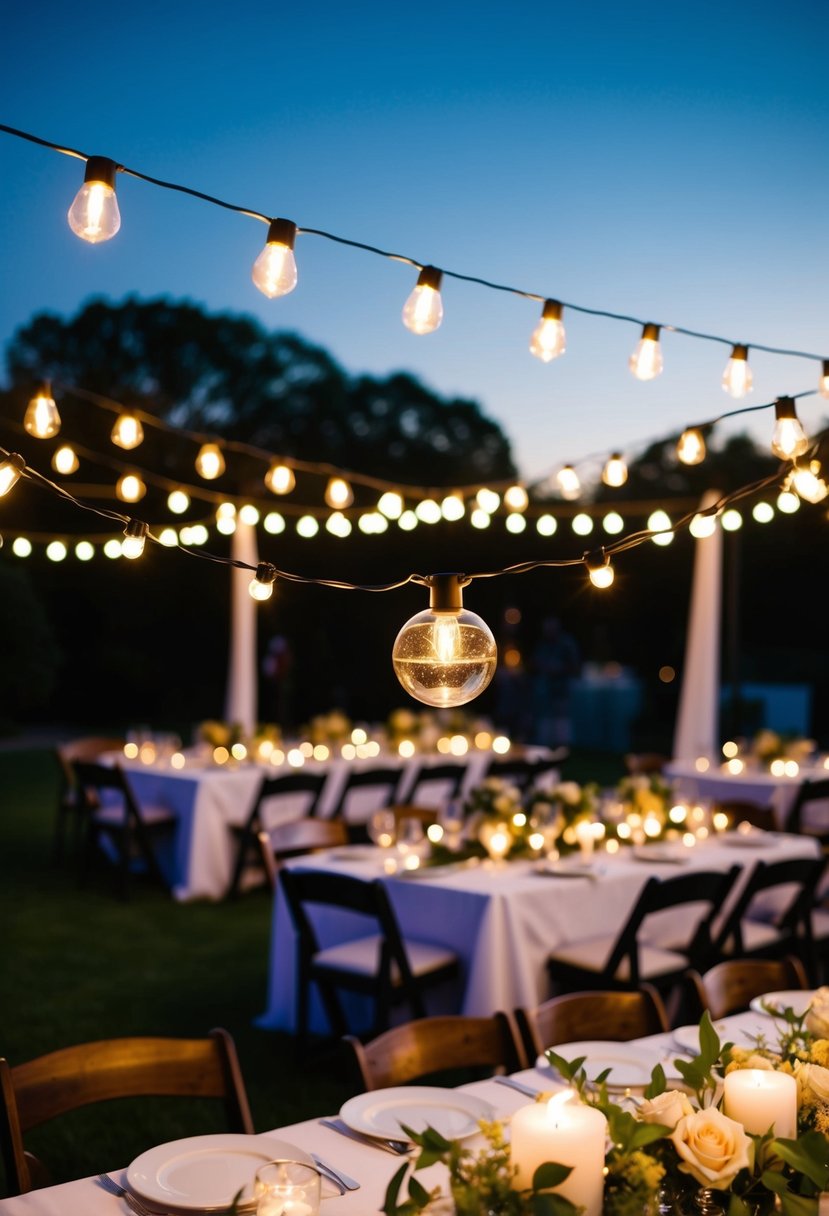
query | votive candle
(760,1099)
(569,1133)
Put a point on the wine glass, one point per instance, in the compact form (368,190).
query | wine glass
(450,818)
(382,828)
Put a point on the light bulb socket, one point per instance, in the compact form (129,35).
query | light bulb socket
(739,351)
(137,529)
(446,591)
(596,560)
(784,408)
(282,232)
(825,370)
(101,169)
(650,332)
(552,310)
(430,276)
(265,573)
(15,461)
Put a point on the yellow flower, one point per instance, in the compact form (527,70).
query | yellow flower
(712,1147)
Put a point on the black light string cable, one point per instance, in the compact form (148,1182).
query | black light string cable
(397,257)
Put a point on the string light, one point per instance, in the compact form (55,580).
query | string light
(65,460)
(646,360)
(807,483)
(84,551)
(130,488)
(599,569)
(427,511)
(338,525)
(338,494)
(446,655)
(691,446)
(135,536)
(210,463)
(42,418)
(548,339)
(274,271)
(10,469)
(568,483)
(127,433)
(94,215)
(488,500)
(56,551)
(423,311)
(731,520)
(788,439)
(823,382)
(615,471)
(262,584)
(390,504)
(659,522)
(178,502)
(702,526)
(249,514)
(516,498)
(452,508)
(280,478)
(737,378)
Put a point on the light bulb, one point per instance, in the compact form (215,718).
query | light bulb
(737,378)
(646,360)
(452,508)
(94,214)
(615,471)
(65,460)
(702,526)
(338,494)
(274,271)
(516,498)
(659,522)
(249,514)
(130,488)
(789,438)
(135,535)
(261,585)
(488,500)
(691,446)
(10,469)
(808,484)
(42,418)
(599,568)
(548,339)
(446,655)
(823,382)
(56,551)
(84,551)
(128,432)
(391,504)
(423,311)
(22,546)
(568,482)
(280,478)
(178,502)
(210,463)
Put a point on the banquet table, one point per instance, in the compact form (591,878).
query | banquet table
(371,1167)
(753,784)
(502,921)
(208,799)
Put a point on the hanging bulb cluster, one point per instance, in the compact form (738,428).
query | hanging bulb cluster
(423,311)
(42,418)
(446,655)
(274,271)
(94,215)
(548,339)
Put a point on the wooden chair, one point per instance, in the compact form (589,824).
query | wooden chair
(638,763)
(54,1084)
(623,960)
(386,781)
(809,793)
(746,812)
(618,1016)
(787,929)
(288,785)
(296,838)
(448,776)
(69,820)
(731,986)
(129,826)
(380,963)
(434,1045)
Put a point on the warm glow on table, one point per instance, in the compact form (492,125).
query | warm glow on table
(564,1131)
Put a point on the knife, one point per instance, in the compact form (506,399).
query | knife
(337,1176)
(529,1091)
(400,1148)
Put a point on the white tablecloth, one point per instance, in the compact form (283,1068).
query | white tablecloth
(208,798)
(370,1166)
(502,922)
(752,785)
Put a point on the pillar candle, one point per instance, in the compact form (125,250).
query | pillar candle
(569,1133)
(760,1099)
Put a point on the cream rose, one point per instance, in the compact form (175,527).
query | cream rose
(815,1078)
(666,1108)
(817,1019)
(712,1148)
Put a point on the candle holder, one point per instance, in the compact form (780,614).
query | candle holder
(287,1188)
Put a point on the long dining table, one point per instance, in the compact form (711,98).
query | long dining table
(704,780)
(502,920)
(369,1166)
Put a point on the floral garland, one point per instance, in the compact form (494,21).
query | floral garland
(672,1148)
(768,745)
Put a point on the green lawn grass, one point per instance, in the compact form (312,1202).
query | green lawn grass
(78,964)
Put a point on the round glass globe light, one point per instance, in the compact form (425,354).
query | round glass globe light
(445,658)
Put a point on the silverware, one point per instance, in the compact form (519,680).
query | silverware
(340,1179)
(114,1188)
(527,1090)
(400,1148)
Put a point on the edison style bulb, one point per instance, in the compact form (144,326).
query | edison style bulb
(178,501)
(391,504)
(135,535)
(42,418)
(274,271)
(280,478)
(65,460)
(10,469)
(338,494)
(568,482)
(789,438)
(127,433)
(691,446)
(737,378)
(130,488)
(210,463)
(548,339)
(516,498)
(94,214)
(646,360)
(823,382)
(423,311)
(808,484)
(615,472)
(446,655)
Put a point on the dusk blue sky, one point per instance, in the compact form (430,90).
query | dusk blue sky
(667,161)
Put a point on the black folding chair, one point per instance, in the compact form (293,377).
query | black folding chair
(248,849)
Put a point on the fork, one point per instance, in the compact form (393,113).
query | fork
(114,1188)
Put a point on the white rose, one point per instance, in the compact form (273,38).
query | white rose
(712,1148)
(815,1078)
(569,792)
(817,1019)
(666,1108)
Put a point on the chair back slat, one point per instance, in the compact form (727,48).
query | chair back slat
(573,1016)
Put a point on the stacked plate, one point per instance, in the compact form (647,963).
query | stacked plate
(384,1113)
(630,1064)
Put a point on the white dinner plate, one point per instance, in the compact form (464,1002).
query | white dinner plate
(756,839)
(384,1111)
(203,1173)
(798,999)
(687,1037)
(630,1063)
